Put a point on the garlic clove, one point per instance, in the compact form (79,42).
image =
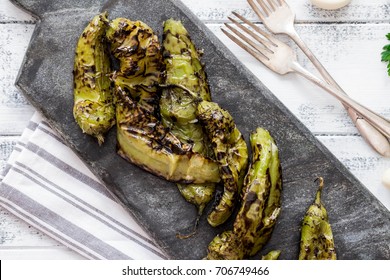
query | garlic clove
(330,4)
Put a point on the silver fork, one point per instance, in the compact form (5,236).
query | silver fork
(278,17)
(282,59)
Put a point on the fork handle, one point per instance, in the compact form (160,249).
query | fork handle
(376,120)
(373,136)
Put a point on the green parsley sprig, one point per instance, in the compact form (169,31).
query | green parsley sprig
(386,54)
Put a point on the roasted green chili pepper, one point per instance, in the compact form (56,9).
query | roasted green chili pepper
(225,246)
(316,234)
(231,153)
(186,68)
(273,205)
(261,199)
(197,194)
(93,107)
(144,141)
(136,47)
(260,206)
(272,255)
(178,108)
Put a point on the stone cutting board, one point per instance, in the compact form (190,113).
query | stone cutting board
(361,225)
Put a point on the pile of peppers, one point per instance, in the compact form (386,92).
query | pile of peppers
(158,97)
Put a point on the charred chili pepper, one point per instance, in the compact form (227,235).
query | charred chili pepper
(137,49)
(183,68)
(197,194)
(272,206)
(225,246)
(260,206)
(231,153)
(272,255)
(93,107)
(262,188)
(316,234)
(184,73)
(142,139)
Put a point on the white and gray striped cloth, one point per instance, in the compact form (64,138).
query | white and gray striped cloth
(49,187)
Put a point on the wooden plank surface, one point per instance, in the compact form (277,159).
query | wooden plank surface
(359,10)
(15,111)
(348,42)
(218,10)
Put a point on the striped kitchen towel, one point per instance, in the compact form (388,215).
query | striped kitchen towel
(47,185)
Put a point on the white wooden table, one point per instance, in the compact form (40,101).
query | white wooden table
(348,42)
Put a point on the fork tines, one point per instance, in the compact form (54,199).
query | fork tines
(266,6)
(249,40)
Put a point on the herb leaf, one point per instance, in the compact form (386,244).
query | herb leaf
(386,54)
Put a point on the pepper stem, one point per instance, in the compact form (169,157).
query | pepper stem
(321,185)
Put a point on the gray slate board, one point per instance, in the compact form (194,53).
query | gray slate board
(361,225)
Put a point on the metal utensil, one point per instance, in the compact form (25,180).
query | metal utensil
(278,17)
(281,58)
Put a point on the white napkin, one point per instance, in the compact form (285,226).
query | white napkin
(49,187)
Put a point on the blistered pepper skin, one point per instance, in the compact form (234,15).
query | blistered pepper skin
(231,153)
(141,70)
(316,234)
(178,108)
(145,142)
(142,139)
(225,246)
(93,107)
(261,202)
(197,194)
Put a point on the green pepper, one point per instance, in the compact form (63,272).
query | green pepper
(316,234)
(262,188)
(137,49)
(262,141)
(260,206)
(197,194)
(144,141)
(93,107)
(142,138)
(225,246)
(231,153)
(178,107)
(272,255)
